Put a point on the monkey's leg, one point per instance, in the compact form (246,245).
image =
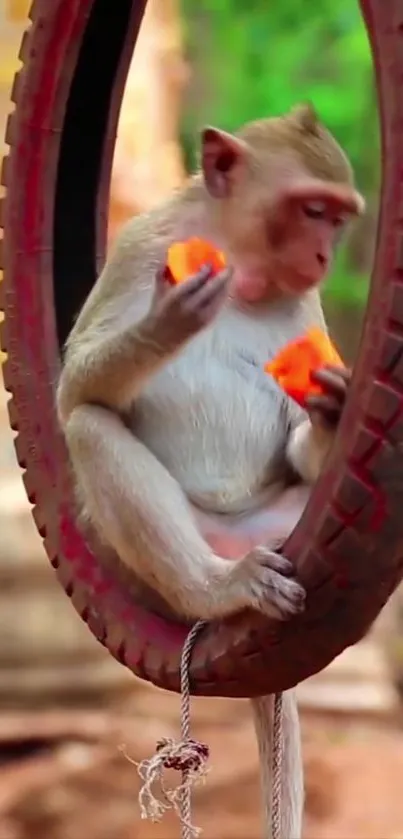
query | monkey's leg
(142,513)
(292,782)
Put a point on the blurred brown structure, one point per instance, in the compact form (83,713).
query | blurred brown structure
(65,705)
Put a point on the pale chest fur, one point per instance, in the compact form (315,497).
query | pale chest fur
(215,419)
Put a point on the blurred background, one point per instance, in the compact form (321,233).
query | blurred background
(65,706)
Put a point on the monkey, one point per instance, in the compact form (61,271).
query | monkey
(189,461)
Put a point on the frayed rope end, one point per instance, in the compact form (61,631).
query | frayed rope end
(186,756)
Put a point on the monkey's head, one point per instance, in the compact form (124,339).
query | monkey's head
(281,191)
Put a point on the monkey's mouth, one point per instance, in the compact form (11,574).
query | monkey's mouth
(310,279)
(310,282)
(293,283)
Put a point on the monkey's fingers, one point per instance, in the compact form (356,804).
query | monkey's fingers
(333,381)
(194,283)
(217,287)
(325,403)
(324,411)
(165,284)
(278,562)
(324,422)
(344,372)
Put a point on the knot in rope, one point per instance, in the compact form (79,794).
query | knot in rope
(183,756)
(189,757)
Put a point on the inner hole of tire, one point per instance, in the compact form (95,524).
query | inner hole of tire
(80,158)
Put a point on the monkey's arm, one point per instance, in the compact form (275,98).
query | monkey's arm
(310,442)
(109,360)
(117,343)
(110,370)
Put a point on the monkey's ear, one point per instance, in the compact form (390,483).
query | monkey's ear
(305,117)
(221,155)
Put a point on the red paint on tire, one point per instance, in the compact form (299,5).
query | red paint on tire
(349,545)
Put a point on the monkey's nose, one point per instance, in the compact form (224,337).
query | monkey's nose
(322,260)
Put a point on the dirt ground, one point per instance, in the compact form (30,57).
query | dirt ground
(365,770)
(63,774)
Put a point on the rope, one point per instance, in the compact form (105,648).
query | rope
(277,759)
(187,756)
(190,757)
(188,832)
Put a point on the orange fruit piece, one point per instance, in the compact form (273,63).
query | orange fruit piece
(187,258)
(293,366)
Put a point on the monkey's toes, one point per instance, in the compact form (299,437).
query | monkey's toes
(271,591)
(275,561)
(290,599)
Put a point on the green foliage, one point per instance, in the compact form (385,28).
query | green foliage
(346,286)
(253,58)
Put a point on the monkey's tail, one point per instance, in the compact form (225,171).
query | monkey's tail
(292,785)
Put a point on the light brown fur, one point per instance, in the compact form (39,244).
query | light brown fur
(178,440)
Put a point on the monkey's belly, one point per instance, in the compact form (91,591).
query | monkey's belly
(225,446)
(232,536)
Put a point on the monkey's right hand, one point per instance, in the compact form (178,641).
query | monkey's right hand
(267,584)
(178,312)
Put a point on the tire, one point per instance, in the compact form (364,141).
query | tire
(348,547)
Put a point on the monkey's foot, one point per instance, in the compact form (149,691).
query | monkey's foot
(265,577)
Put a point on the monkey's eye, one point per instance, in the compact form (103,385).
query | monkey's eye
(315,209)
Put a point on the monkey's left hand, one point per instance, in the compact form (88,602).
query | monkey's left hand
(325,409)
